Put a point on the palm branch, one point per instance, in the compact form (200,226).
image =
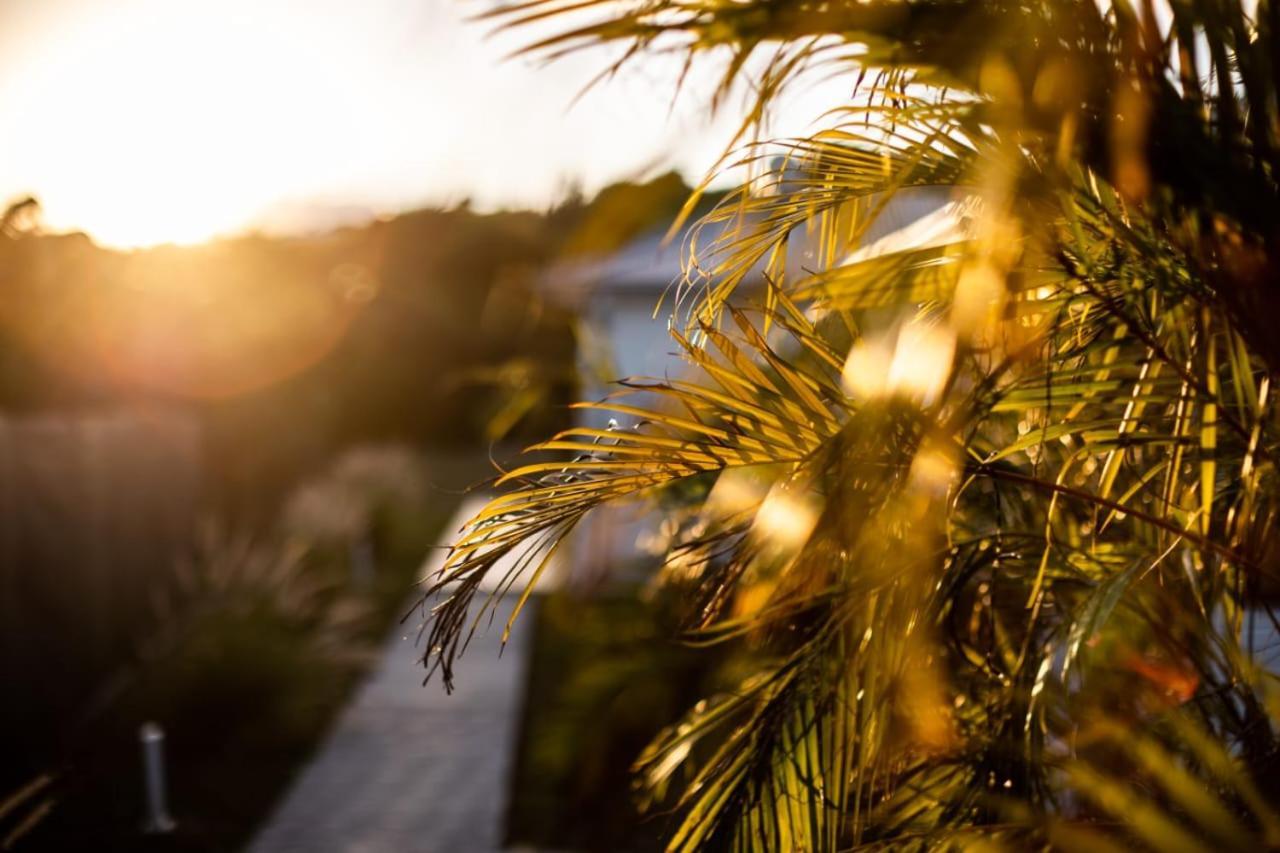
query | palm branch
(967,503)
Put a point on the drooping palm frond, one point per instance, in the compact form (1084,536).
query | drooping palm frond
(738,417)
(977,495)
(21,811)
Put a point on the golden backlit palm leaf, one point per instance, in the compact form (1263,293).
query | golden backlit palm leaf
(959,500)
(732,418)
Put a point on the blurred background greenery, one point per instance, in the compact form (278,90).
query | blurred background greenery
(944,519)
(226,490)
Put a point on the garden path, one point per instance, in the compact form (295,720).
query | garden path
(409,768)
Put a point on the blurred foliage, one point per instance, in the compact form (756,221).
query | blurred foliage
(261,638)
(622,212)
(604,675)
(994,511)
(428,327)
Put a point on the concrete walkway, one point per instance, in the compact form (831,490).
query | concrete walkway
(408,768)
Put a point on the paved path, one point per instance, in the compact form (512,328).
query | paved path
(409,768)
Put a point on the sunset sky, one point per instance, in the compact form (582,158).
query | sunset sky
(148,121)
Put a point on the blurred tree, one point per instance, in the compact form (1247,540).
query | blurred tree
(421,328)
(20,216)
(993,508)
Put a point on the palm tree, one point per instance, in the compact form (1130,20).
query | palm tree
(993,513)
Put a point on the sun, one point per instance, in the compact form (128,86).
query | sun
(160,126)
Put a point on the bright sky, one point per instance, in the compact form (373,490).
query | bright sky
(147,121)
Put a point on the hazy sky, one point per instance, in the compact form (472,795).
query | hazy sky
(143,121)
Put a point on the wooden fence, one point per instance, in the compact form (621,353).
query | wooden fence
(94,511)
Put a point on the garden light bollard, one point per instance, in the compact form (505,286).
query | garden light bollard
(151,736)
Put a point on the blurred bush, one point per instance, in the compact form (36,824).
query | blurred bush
(262,638)
(429,327)
(603,677)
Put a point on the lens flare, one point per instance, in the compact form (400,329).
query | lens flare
(786,518)
(922,360)
(916,367)
(866,372)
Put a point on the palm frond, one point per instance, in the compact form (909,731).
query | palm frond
(967,497)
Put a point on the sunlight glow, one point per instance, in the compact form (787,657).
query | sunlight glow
(979,297)
(922,360)
(866,371)
(737,490)
(916,367)
(785,519)
(162,127)
(933,470)
(150,121)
